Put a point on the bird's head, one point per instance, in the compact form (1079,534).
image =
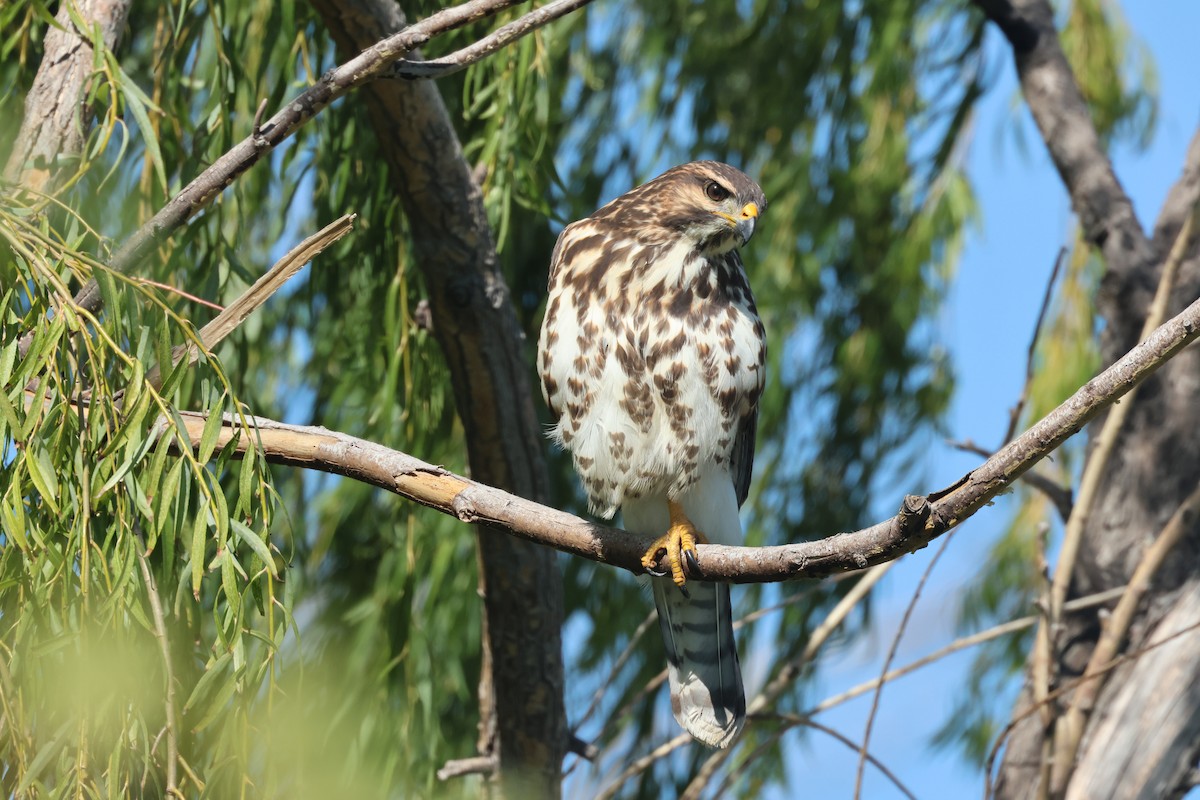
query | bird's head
(713,203)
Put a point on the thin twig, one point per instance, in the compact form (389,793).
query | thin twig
(160,633)
(789,721)
(459,60)
(476,765)
(629,650)
(963,643)
(1014,415)
(166,287)
(644,763)
(887,663)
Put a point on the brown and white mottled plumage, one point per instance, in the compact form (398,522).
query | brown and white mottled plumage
(652,358)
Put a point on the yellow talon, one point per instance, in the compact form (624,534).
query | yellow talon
(679,542)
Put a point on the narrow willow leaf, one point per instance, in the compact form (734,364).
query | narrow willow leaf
(41,472)
(49,750)
(229,580)
(35,407)
(137,102)
(199,529)
(8,418)
(14,516)
(166,496)
(260,547)
(205,686)
(8,353)
(208,437)
(218,703)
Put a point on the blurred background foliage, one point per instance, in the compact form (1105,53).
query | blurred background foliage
(347,654)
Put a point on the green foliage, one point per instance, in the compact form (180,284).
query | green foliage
(323,637)
(110,527)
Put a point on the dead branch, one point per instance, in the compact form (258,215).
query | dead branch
(271,281)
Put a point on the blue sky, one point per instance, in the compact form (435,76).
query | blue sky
(986,324)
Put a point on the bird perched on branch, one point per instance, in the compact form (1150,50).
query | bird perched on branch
(652,359)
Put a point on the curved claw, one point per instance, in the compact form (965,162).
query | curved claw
(655,571)
(678,545)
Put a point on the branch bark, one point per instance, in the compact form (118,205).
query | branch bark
(52,131)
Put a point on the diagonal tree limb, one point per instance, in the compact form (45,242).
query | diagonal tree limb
(1181,199)
(363,68)
(271,281)
(1062,116)
(415,69)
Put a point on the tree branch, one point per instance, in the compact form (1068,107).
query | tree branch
(1061,113)
(414,69)
(363,68)
(921,520)
(1181,199)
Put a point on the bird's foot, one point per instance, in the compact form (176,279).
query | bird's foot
(678,544)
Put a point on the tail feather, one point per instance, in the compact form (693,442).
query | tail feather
(707,697)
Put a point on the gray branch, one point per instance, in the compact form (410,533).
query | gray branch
(921,519)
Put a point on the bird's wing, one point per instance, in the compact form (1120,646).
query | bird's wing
(741,460)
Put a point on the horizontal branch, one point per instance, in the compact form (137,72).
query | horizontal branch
(920,520)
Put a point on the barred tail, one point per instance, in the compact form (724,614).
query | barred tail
(706,680)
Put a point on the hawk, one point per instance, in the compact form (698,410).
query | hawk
(651,357)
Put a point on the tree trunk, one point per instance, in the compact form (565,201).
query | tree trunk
(55,117)
(523,724)
(1142,739)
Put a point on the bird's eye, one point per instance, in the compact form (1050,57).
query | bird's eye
(715,191)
